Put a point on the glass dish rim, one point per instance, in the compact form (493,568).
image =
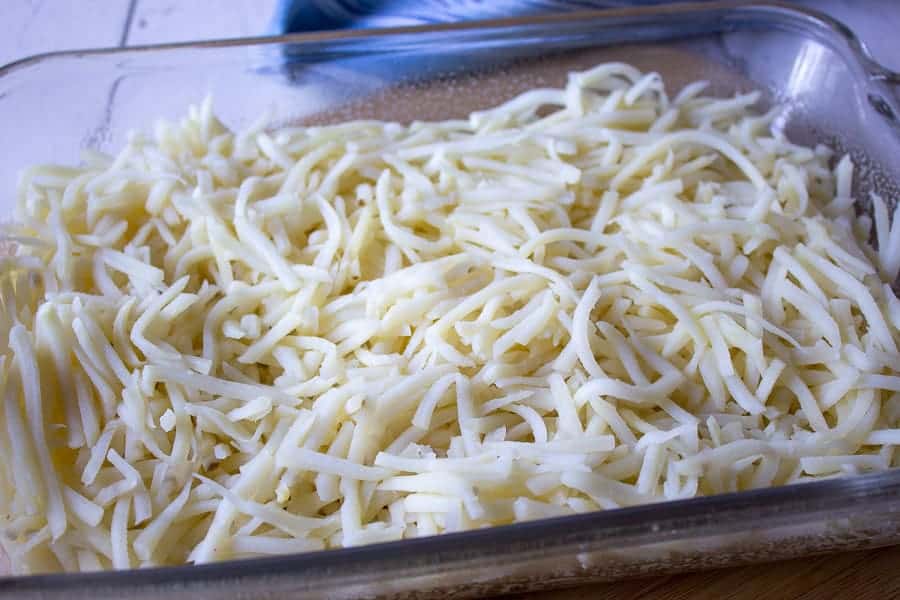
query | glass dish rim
(770,8)
(793,504)
(752,509)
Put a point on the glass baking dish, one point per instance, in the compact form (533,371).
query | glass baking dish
(829,88)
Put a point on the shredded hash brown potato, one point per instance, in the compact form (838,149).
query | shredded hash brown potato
(226,345)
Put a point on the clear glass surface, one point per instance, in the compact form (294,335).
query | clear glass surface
(830,90)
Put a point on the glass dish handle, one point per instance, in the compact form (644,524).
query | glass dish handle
(885,97)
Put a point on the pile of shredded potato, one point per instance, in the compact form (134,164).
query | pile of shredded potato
(229,345)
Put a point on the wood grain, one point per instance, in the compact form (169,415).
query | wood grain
(163,21)
(37,26)
(863,575)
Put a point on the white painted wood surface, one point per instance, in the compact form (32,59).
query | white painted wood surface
(160,21)
(36,26)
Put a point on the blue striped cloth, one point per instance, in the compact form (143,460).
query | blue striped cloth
(294,16)
(299,16)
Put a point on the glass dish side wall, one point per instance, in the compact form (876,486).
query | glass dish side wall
(56,105)
(53,107)
(726,530)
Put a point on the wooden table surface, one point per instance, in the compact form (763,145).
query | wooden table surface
(41,26)
(861,575)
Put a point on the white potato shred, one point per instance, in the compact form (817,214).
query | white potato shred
(225,345)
